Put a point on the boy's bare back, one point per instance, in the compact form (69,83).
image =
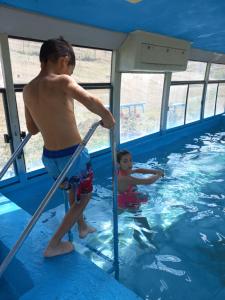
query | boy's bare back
(49,98)
(50,108)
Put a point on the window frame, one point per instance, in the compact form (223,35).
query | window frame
(15,178)
(217,82)
(88,86)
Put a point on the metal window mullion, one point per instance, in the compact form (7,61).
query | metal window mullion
(116,83)
(186,102)
(11,99)
(6,110)
(205,90)
(165,101)
(217,81)
(217,90)
(95,86)
(183,82)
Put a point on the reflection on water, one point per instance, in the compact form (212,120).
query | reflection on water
(175,245)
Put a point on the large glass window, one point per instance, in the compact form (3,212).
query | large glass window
(220,103)
(1,76)
(92,65)
(195,71)
(34,147)
(210,100)
(24,60)
(177,102)
(85,119)
(217,72)
(5,152)
(194,103)
(186,92)
(141,100)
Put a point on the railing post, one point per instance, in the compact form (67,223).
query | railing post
(115,214)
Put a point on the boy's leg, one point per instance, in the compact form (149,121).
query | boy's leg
(56,246)
(83,228)
(143,230)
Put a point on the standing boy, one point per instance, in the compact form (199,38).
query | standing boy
(49,109)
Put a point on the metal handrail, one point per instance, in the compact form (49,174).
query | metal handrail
(46,200)
(15,154)
(115,214)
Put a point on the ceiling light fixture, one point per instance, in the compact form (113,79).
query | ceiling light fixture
(134,1)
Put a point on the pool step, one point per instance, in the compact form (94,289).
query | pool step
(31,276)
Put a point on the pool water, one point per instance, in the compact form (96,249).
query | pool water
(174,247)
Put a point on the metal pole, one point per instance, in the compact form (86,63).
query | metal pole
(66,203)
(115,214)
(15,154)
(46,200)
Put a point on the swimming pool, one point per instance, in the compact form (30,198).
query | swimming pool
(174,248)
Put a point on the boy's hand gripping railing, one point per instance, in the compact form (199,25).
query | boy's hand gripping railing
(15,154)
(47,198)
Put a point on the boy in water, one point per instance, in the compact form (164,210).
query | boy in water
(49,109)
(128,196)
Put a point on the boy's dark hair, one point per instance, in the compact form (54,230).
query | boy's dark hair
(53,49)
(120,154)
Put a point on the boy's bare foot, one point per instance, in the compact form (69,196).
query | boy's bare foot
(60,249)
(83,232)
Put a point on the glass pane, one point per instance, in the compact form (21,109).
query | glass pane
(177,101)
(195,71)
(210,100)
(1,74)
(217,72)
(194,103)
(5,152)
(220,104)
(92,65)
(140,108)
(85,119)
(24,60)
(33,149)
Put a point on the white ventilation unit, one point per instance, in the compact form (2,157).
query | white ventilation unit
(148,52)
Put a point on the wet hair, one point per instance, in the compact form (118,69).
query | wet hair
(53,49)
(120,154)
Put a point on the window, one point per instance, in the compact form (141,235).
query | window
(210,99)
(195,71)
(92,65)
(140,108)
(220,104)
(34,147)
(1,77)
(5,152)
(194,103)
(85,119)
(24,60)
(186,92)
(217,72)
(177,102)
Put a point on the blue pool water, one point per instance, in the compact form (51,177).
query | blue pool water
(174,248)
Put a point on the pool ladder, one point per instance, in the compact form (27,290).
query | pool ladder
(53,189)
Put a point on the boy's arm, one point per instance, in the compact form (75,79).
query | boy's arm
(144,181)
(90,101)
(31,126)
(148,171)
